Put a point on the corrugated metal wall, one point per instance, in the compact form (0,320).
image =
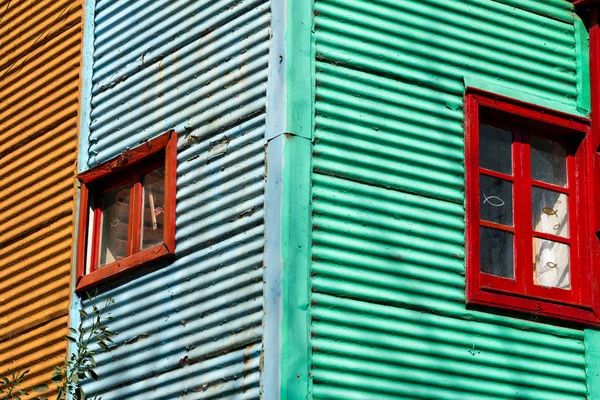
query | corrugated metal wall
(191,328)
(388,273)
(40,57)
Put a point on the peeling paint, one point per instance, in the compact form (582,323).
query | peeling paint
(190,327)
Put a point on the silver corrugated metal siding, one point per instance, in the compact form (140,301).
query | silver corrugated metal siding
(388,296)
(192,328)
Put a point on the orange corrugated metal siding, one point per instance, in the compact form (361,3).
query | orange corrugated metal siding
(37,350)
(40,57)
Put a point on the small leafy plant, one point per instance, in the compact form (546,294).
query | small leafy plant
(12,381)
(78,366)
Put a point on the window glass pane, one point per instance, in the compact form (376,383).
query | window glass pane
(496,200)
(495,149)
(551,264)
(114,226)
(496,252)
(153,218)
(548,161)
(550,212)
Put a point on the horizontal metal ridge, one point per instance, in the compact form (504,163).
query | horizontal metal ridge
(433,356)
(174,31)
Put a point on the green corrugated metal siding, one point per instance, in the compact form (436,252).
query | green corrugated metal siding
(388,286)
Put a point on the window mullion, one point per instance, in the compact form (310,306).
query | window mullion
(575,227)
(135,212)
(96,226)
(522,210)
(527,227)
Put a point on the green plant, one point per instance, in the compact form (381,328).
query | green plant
(11,383)
(79,365)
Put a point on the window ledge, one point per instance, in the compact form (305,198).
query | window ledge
(114,269)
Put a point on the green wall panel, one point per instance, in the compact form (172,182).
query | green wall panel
(388,258)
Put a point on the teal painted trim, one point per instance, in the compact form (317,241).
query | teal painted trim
(295,248)
(582,54)
(592,362)
(296,192)
(494,87)
(299,68)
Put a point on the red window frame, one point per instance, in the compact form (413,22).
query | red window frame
(127,168)
(521,294)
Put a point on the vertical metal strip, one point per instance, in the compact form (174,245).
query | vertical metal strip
(296,220)
(84,131)
(275,126)
(592,362)
(271,371)
(300,79)
(86,84)
(295,248)
(582,55)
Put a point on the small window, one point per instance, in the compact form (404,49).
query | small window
(127,211)
(527,228)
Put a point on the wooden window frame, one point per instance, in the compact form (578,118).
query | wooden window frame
(126,168)
(580,303)
(585,3)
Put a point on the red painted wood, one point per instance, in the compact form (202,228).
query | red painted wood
(96,228)
(549,186)
(496,174)
(126,159)
(520,293)
(135,217)
(82,231)
(471,197)
(582,315)
(530,112)
(555,238)
(170,192)
(522,220)
(117,268)
(494,225)
(127,168)
(585,3)
(593,160)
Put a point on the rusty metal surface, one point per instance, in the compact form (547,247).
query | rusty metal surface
(40,45)
(191,327)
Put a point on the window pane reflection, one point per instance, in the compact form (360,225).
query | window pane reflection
(153,208)
(548,161)
(495,147)
(550,212)
(496,252)
(114,226)
(551,264)
(496,202)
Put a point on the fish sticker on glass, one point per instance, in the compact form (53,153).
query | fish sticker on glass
(493,201)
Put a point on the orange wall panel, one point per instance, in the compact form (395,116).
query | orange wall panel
(40,67)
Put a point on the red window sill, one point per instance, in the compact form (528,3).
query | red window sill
(567,312)
(112,270)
